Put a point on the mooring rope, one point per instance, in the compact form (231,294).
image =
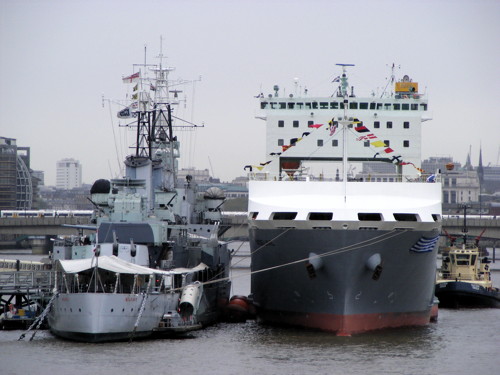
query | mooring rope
(38,321)
(383,237)
(142,308)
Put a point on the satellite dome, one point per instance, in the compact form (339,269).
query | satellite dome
(101,186)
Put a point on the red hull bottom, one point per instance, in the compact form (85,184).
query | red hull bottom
(346,325)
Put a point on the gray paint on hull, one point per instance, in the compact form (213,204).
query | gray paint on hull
(344,284)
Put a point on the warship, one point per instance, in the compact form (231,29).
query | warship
(153,241)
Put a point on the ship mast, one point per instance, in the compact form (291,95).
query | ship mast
(344,84)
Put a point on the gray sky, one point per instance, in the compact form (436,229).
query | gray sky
(57,59)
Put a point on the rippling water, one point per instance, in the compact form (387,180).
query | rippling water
(463,341)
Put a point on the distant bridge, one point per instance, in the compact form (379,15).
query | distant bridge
(41,226)
(45,226)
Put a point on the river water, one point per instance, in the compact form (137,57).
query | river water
(464,341)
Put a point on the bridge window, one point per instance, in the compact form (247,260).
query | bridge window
(436,217)
(353,105)
(373,105)
(423,106)
(405,106)
(284,215)
(414,107)
(368,216)
(396,106)
(253,215)
(323,105)
(363,105)
(463,259)
(334,105)
(291,105)
(263,105)
(282,105)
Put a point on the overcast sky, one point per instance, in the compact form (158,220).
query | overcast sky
(58,58)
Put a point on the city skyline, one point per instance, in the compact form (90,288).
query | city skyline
(60,57)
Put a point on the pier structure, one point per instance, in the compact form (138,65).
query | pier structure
(24,292)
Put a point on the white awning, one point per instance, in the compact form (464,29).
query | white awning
(117,265)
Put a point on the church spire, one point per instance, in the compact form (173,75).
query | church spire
(468,163)
(480,170)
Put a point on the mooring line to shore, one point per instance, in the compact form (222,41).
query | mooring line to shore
(359,245)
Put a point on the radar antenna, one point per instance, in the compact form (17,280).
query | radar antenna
(344,84)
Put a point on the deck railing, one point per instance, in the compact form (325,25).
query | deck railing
(26,280)
(386,177)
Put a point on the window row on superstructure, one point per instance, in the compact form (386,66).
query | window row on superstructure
(335,143)
(392,106)
(376,124)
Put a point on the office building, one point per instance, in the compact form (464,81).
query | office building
(69,174)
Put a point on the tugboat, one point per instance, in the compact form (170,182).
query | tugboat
(150,234)
(464,279)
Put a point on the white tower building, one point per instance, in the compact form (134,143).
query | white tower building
(69,174)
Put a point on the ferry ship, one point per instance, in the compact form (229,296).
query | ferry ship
(339,251)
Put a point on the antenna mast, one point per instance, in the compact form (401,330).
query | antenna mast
(344,84)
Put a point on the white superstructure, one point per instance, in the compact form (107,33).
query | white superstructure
(303,122)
